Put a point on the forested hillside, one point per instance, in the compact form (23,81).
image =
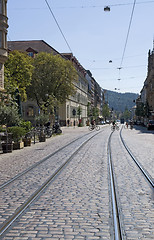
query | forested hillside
(120,101)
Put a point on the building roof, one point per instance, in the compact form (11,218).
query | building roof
(37,45)
(75,62)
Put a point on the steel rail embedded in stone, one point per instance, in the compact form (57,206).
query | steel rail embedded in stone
(146,174)
(116,218)
(36,194)
(38,163)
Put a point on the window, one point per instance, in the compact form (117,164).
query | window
(4,40)
(4,8)
(67,111)
(1,7)
(1,39)
(30,111)
(31,54)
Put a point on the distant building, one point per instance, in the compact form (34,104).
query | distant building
(68,111)
(3,40)
(80,99)
(32,47)
(150,84)
(145,102)
(29,108)
(147,92)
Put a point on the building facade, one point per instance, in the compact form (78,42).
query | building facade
(145,102)
(79,100)
(3,40)
(29,108)
(68,112)
(150,84)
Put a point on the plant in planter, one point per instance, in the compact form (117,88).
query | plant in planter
(41,120)
(17,134)
(8,117)
(27,125)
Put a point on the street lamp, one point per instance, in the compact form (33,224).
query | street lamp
(107,9)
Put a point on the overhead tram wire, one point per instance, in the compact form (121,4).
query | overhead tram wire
(102,6)
(58,25)
(127,35)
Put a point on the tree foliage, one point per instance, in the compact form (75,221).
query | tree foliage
(79,111)
(18,73)
(126,114)
(52,80)
(9,115)
(105,111)
(95,112)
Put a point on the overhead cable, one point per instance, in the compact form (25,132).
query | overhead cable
(110,5)
(127,34)
(58,25)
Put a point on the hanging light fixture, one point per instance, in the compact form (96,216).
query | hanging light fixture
(107,9)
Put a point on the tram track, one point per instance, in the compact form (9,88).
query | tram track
(6,224)
(115,209)
(143,170)
(38,163)
(119,229)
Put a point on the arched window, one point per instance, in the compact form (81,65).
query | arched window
(30,111)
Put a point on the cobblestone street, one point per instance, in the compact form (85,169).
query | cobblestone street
(77,203)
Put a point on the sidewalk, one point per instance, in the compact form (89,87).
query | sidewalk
(17,161)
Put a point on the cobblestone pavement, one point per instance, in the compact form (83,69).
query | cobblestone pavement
(17,192)
(135,195)
(19,160)
(76,205)
(141,142)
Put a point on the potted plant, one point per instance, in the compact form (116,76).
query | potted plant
(7,145)
(8,117)
(17,134)
(27,125)
(41,120)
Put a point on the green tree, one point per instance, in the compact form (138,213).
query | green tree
(95,112)
(126,114)
(79,112)
(18,73)
(140,110)
(105,111)
(52,80)
(89,109)
(9,115)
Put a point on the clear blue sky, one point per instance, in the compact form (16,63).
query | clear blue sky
(94,36)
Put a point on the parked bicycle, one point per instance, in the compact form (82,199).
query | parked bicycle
(56,128)
(92,127)
(48,131)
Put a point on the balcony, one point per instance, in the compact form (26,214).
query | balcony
(3,21)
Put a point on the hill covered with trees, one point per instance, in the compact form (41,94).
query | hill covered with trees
(120,101)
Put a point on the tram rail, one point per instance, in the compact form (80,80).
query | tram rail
(115,210)
(143,170)
(119,232)
(8,222)
(39,162)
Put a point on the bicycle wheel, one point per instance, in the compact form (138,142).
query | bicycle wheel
(90,128)
(59,131)
(112,128)
(117,128)
(49,133)
(97,128)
